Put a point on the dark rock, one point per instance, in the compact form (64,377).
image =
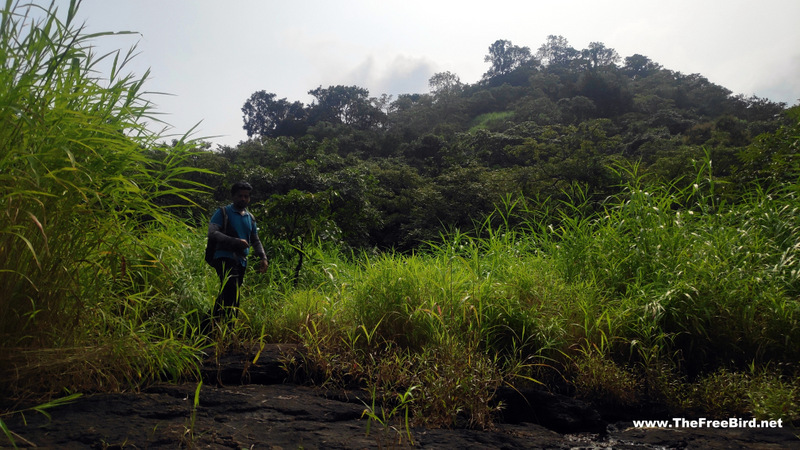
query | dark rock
(554,411)
(234,414)
(261,366)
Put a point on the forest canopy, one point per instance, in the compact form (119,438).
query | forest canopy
(537,123)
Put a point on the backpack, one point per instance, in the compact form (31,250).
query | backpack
(211,245)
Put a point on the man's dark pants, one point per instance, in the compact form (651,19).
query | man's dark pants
(231,277)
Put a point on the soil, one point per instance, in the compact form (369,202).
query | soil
(253,406)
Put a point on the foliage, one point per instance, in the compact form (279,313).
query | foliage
(772,158)
(349,105)
(557,224)
(80,208)
(506,57)
(626,304)
(266,117)
(554,118)
(556,52)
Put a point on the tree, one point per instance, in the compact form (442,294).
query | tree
(505,58)
(394,195)
(696,92)
(412,116)
(349,105)
(556,52)
(425,152)
(607,88)
(754,108)
(638,66)
(598,55)
(266,117)
(447,91)
(577,109)
(296,219)
(772,157)
(445,84)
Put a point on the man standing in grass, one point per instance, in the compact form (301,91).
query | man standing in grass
(233,230)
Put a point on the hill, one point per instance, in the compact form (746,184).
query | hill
(392,173)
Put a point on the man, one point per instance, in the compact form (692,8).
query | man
(233,238)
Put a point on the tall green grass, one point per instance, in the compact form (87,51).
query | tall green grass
(707,284)
(646,298)
(77,210)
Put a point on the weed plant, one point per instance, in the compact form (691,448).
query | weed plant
(81,281)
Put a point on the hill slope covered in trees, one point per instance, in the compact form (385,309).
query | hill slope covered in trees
(392,173)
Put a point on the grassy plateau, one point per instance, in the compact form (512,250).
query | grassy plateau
(665,295)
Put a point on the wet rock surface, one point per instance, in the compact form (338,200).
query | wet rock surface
(242,405)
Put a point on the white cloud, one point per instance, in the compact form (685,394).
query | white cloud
(400,75)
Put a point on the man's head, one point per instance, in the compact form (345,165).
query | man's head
(240,194)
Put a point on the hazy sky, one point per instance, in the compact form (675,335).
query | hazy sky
(212,55)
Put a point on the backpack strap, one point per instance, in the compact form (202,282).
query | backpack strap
(252,222)
(224,211)
(224,219)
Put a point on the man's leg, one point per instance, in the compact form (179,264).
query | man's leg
(231,277)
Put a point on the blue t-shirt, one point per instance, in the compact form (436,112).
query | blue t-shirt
(240,224)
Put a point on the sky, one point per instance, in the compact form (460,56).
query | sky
(211,56)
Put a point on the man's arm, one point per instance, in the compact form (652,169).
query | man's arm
(258,249)
(215,233)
